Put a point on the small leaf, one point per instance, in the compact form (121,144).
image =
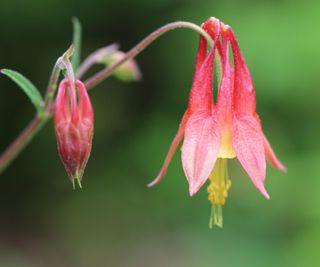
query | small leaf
(31,91)
(76,40)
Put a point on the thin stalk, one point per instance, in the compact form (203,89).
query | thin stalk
(100,76)
(39,120)
(13,150)
(95,57)
(21,141)
(68,70)
(52,87)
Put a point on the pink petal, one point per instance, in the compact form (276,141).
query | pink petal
(85,106)
(213,27)
(201,91)
(201,55)
(271,156)
(200,148)
(225,95)
(244,93)
(62,106)
(247,139)
(74,104)
(172,149)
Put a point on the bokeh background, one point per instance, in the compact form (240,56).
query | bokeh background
(115,220)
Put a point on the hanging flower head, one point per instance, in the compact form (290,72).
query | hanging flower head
(73,122)
(230,129)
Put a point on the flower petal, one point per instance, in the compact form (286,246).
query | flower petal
(271,156)
(200,148)
(84,103)
(244,93)
(172,149)
(201,55)
(247,139)
(225,95)
(62,105)
(201,90)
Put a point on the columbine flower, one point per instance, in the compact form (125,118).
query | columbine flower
(214,134)
(73,122)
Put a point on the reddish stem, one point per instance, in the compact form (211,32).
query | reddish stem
(100,76)
(35,125)
(21,141)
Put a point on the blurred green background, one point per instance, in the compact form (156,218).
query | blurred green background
(115,220)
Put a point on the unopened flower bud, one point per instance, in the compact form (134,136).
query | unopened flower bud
(73,123)
(128,71)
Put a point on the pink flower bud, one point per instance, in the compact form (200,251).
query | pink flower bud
(73,123)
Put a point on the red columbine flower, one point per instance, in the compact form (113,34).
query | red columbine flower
(73,122)
(213,134)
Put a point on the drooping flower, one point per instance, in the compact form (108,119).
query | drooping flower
(231,128)
(200,101)
(73,122)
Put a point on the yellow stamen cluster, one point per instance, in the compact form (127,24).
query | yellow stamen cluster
(218,190)
(219,183)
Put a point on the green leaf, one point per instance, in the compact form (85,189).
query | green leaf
(31,91)
(76,40)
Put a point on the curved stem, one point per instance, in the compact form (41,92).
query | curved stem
(39,120)
(61,63)
(97,78)
(69,74)
(21,141)
(52,86)
(94,57)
